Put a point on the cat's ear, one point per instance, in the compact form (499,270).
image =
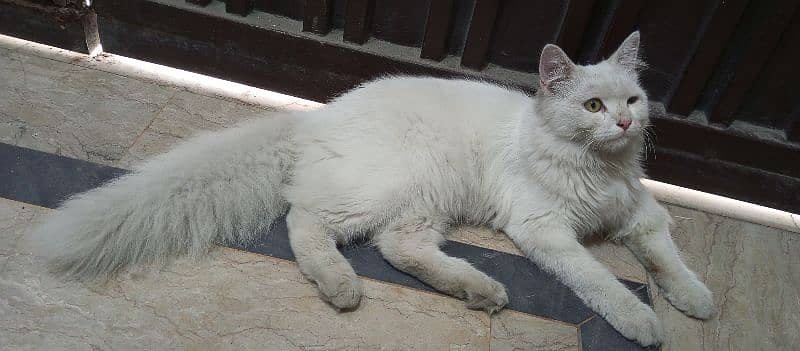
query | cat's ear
(627,55)
(555,67)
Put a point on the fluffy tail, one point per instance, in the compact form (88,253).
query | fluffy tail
(216,188)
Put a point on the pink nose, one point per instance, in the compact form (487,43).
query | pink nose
(624,124)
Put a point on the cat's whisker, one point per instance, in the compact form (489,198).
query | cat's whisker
(649,144)
(590,141)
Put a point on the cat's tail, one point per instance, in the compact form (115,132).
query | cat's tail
(221,187)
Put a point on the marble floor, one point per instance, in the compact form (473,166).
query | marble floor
(245,300)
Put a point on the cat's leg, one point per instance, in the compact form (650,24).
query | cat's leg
(553,246)
(649,239)
(411,244)
(320,260)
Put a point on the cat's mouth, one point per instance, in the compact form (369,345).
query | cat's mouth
(616,141)
(615,136)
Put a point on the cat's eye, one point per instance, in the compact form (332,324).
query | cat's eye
(632,100)
(593,105)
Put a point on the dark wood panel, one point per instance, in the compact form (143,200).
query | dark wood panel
(437,30)
(793,127)
(44,24)
(623,22)
(294,9)
(318,16)
(400,22)
(357,20)
(604,14)
(723,145)
(774,95)
(239,7)
(756,42)
(513,44)
(462,14)
(576,20)
(669,31)
(725,179)
(199,2)
(707,54)
(269,59)
(338,14)
(481,28)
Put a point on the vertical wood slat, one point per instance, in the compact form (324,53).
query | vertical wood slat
(318,16)
(357,15)
(476,48)
(626,16)
(570,36)
(239,7)
(707,54)
(793,128)
(437,30)
(756,53)
(199,2)
(793,133)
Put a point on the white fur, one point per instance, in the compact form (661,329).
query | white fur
(401,159)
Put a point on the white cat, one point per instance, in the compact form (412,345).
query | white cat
(400,160)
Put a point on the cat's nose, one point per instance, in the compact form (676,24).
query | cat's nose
(624,124)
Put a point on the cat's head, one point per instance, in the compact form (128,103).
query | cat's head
(599,106)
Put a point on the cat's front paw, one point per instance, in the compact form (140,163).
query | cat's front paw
(691,297)
(485,294)
(639,323)
(342,290)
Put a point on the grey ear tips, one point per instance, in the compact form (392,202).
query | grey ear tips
(552,47)
(554,65)
(627,54)
(634,37)
(553,52)
(547,48)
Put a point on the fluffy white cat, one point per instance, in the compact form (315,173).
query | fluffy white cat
(400,160)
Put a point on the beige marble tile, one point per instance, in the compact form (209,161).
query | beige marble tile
(188,114)
(517,331)
(616,257)
(754,273)
(163,75)
(15,218)
(73,111)
(484,237)
(232,301)
(6,51)
(8,43)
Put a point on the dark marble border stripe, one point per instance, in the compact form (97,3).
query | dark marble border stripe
(45,180)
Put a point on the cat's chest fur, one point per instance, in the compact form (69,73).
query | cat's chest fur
(593,201)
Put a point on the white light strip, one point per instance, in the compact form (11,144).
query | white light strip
(723,206)
(196,83)
(210,86)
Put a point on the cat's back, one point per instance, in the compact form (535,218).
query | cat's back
(400,115)
(389,139)
(422,95)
